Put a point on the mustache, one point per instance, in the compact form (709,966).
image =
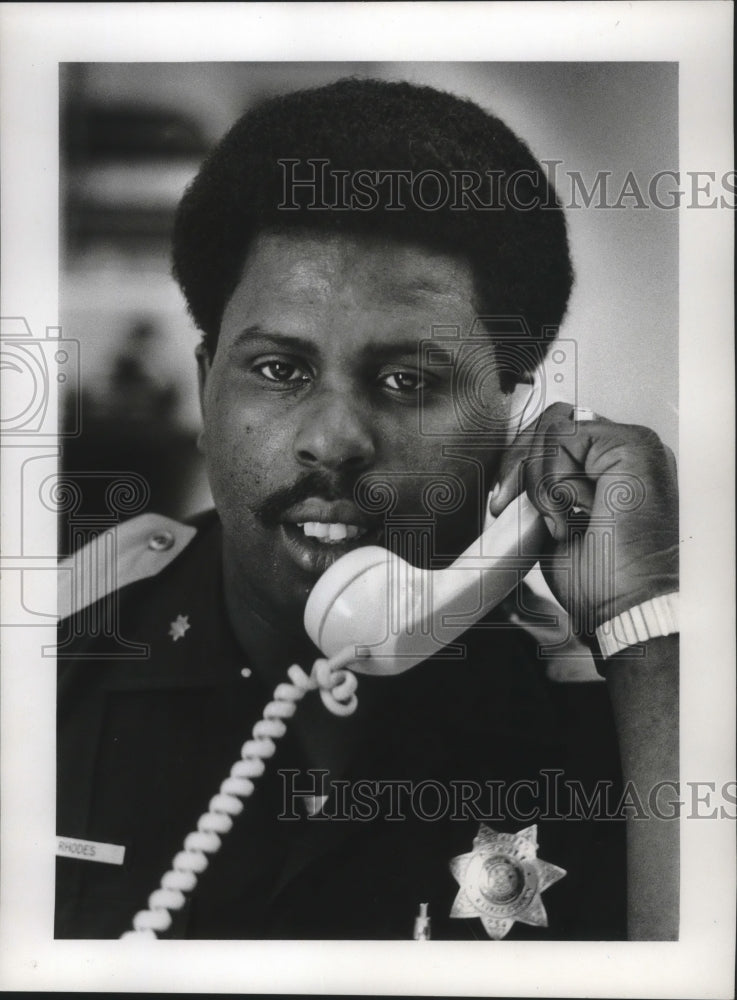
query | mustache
(313,484)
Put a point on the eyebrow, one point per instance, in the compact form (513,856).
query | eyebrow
(301,345)
(285,340)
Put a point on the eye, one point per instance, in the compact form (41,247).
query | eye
(403,381)
(281,371)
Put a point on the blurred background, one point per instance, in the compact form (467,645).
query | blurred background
(133,135)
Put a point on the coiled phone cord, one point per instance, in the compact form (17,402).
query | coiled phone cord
(337,687)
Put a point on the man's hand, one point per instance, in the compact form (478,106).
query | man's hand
(608,495)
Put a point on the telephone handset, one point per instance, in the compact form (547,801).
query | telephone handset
(394,615)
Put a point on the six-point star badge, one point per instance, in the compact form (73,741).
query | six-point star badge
(501,880)
(178,627)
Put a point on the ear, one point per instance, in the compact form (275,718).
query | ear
(202,357)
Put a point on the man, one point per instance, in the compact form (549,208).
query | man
(365,335)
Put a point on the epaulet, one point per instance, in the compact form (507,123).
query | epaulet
(133,551)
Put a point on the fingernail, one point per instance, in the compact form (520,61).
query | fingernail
(495,491)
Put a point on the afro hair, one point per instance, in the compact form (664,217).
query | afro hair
(519,255)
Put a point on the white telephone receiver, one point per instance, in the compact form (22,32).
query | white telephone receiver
(394,615)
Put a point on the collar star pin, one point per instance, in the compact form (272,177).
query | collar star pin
(178,627)
(501,880)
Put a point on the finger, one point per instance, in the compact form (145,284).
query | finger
(510,474)
(561,432)
(562,499)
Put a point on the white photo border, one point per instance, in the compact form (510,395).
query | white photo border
(34,39)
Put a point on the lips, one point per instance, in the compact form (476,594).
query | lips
(318,511)
(316,533)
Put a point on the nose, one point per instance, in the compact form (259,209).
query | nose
(335,434)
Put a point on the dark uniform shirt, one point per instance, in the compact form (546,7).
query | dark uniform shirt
(155,699)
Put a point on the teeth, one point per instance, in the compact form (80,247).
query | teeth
(313,529)
(331,532)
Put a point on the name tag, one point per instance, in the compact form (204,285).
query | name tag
(89,850)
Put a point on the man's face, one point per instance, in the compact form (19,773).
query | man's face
(316,382)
